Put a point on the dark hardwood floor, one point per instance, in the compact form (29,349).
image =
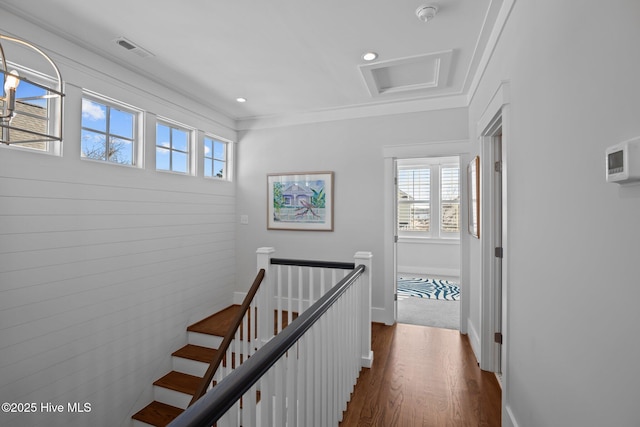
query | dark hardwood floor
(423,376)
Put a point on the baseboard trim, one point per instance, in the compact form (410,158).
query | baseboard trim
(474,340)
(379,315)
(367,361)
(509,420)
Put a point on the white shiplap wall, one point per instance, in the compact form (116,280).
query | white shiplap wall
(102,267)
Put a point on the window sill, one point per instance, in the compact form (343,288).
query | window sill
(430,240)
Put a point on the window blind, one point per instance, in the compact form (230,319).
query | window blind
(414,191)
(450,199)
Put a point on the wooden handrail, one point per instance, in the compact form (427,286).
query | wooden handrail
(228,338)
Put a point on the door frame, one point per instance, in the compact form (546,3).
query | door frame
(495,121)
(391,154)
(491,272)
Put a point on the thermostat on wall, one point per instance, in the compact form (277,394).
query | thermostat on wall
(623,162)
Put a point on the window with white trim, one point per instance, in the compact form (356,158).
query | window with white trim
(173,148)
(215,158)
(428,204)
(36,111)
(108,131)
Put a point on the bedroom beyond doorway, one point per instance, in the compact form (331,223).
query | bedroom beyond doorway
(428,244)
(428,302)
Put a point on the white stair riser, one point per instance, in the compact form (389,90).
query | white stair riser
(137,423)
(188,366)
(171,397)
(204,340)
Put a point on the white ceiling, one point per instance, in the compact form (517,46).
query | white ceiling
(286,57)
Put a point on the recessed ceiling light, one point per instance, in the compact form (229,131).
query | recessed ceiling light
(369,56)
(241,99)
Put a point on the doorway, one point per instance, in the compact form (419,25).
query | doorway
(427,243)
(493,251)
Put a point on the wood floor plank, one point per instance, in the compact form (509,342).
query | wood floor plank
(423,376)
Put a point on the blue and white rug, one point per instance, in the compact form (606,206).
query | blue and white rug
(428,288)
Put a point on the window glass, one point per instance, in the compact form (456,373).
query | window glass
(215,158)
(34,111)
(180,140)
(414,186)
(428,201)
(450,199)
(108,132)
(122,123)
(172,148)
(163,158)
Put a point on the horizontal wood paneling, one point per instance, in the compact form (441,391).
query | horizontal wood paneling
(101,270)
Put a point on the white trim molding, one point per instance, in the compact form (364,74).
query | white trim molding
(495,122)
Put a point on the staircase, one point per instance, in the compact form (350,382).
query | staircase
(173,392)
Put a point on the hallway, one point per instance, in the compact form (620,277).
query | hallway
(423,376)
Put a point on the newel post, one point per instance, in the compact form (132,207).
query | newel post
(365,258)
(264,301)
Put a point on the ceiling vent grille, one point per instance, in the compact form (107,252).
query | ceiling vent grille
(132,47)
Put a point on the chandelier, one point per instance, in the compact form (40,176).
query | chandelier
(31,107)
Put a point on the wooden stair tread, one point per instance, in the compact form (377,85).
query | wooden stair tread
(179,381)
(219,323)
(160,414)
(157,414)
(196,352)
(216,324)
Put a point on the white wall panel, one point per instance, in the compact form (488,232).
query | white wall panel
(102,267)
(353,150)
(573,238)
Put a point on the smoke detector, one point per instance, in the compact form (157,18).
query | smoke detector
(425,13)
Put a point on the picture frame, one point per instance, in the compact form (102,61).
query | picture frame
(473,175)
(300,201)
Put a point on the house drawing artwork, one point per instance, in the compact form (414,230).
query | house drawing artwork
(296,195)
(299,202)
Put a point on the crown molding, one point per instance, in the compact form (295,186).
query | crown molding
(458,100)
(354,112)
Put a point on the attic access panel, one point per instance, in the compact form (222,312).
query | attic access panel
(415,73)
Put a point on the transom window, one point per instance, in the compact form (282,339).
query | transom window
(172,148)
(215,158)
(429,198)
(108,132)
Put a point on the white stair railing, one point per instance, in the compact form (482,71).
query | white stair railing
(304,375)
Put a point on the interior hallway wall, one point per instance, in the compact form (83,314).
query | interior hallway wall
(103,266)
(573,271)
(353,149)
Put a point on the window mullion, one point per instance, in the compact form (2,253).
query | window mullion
(108,136)
(171,149)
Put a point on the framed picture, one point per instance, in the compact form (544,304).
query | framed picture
(300,201)
(473,173)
